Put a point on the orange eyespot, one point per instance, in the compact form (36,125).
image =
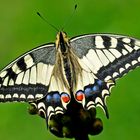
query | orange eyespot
(65,97)
(79,96)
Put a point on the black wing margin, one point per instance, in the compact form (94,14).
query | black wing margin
(27,78)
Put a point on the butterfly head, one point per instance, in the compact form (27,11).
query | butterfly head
(62,42)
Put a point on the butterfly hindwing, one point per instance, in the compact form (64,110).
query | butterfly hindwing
(108,57)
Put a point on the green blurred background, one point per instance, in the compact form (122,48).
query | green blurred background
(21,30)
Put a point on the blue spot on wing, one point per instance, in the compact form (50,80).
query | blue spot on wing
(96,88)
(56,97)
(92,91)
(53,98)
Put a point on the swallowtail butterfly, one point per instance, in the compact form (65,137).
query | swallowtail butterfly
(71,76)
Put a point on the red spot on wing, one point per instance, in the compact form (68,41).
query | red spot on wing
(80,96)
(65,98)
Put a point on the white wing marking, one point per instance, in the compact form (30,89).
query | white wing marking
(139,58)
(104,92)
(11,82)
(99,42)
(102,57)
(128,48)
(44,74)
(134,62)
(38,95)
(98,100)
(114,42)
(15,95)
(41,105)
(115,74)
(33,75)
(26,78)
(28,60)
(79,85)
(88,64)
(85,78)
(3,73)
(90,104)
(94,59)
(127,65)
(109,55)
(126,40)
(8,96)
(30,96)
(6,81)
(115,52)
(136,48)
(53,85)
(39,72)
(48,74)
(16,69)
(91,78)
(22,96)
(108,78)
(121,70)
(19,78)
(1,96)
(83,65)
(124,52)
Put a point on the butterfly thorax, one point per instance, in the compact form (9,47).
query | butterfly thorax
(62,44)
(67,60)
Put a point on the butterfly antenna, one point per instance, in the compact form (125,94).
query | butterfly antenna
(47,21)
(67,22)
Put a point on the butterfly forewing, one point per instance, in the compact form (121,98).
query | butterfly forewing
(108,56)
(27,78)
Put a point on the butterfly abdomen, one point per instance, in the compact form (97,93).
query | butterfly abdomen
(67,70)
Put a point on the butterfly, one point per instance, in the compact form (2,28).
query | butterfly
(69,77)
